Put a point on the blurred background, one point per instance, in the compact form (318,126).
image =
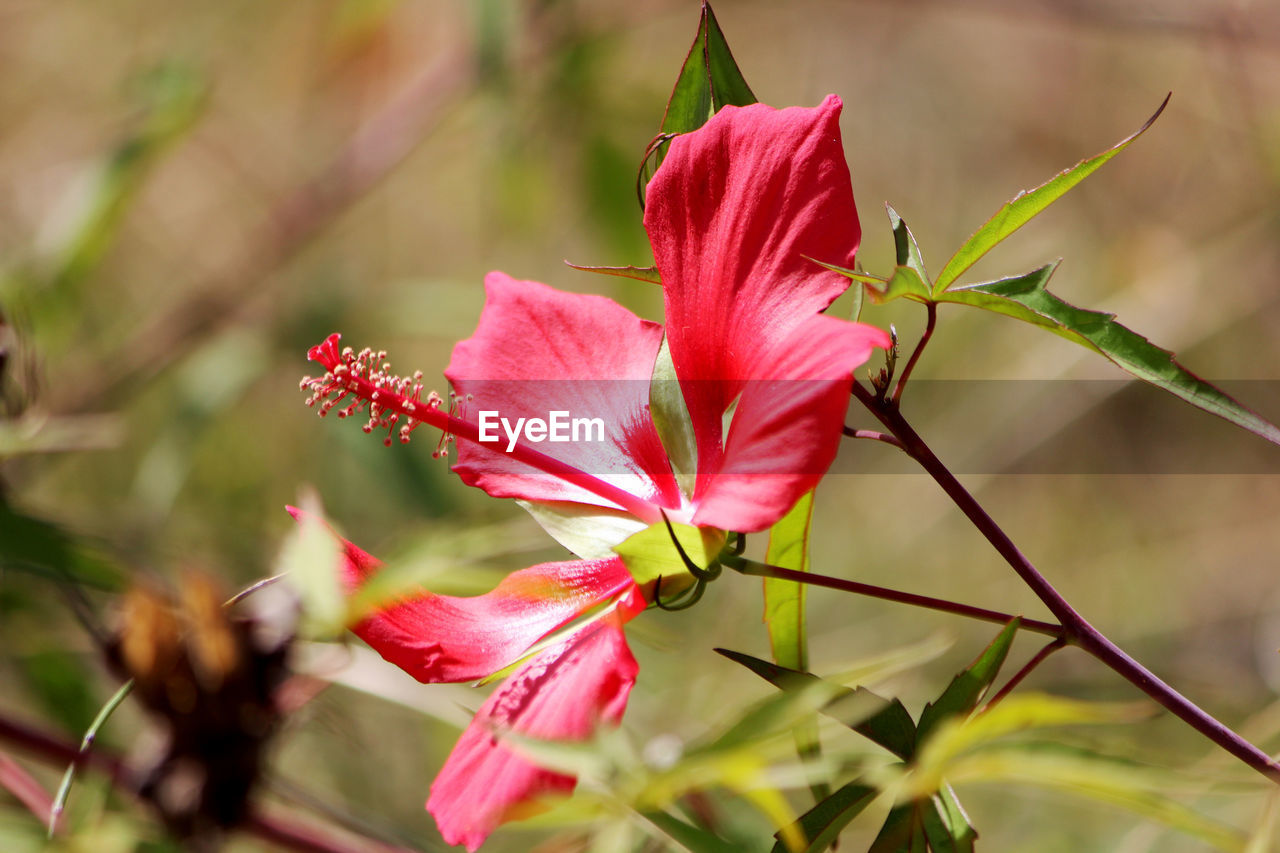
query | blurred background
(193,194)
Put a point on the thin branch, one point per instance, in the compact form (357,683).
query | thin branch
(764,570)
(873,435)
(15,779)
(930,322)
(1013,682)
(1077,630)
(278,829)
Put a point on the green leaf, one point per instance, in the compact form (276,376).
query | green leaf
(901,833)
(688,836)
(906,250)
(651,554)
(779,712)
(859,299)
(649,274)
(91,734)
(1139,789)
(1264,834)
(891,726)
(584,759)
(964,691)
(1023,207)
(884,722)
(784,599)
(32,545)
(905,282)
(671,419)
(1017,714)
(1025,298)
(784,611)
(708,81)
(946,826)
(822,824)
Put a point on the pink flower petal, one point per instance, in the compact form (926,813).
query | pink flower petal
(562,694)
(786,427)
(443,638)
(538,350)
(734,214)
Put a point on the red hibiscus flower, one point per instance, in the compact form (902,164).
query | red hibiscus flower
(734,215)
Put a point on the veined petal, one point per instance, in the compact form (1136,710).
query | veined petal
(444,638)
(734,214)
(562,694)
(538,351)
(786,427)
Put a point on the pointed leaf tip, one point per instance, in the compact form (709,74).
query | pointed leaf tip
(967,688)
(1026,298)
(649,274)
(1028,204)
(709,80)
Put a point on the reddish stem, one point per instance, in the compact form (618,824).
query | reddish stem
(873,435)
(753,567)
(277,829)
(1077,630)
(930,322)
(1039,658)
(17,781)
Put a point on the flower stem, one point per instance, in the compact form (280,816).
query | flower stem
(930,322)
(764,570)
(1076,629)
(873,436)
(1039,658)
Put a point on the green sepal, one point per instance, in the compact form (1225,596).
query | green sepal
(590,532)
(708,81)
(671,419)
(651,554)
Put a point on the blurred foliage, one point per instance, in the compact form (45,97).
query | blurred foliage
(191,198)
